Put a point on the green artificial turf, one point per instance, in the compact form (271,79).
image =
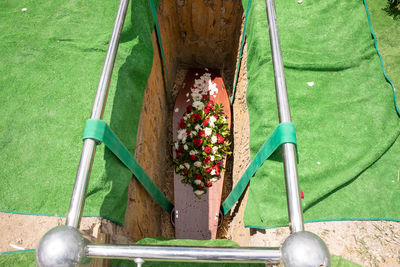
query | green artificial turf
(51,57)
(336,261)
(342,108)
(27,258)
(18,259)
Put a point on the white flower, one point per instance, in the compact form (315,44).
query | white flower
(177,110)
(197,164)
(212,121)
(214,149)
(199,192)
(176,145)
(196,96)
(311,84)
(187,166)
(187,95)
(223,119)
(212,158)
(213,180)
(197,127)
(197,182)
(24,9)
(192,152)
(181,134)
(212,172)
(198,105)
(185,147)
(188,125)
(213,139)
(181,167)
(207,131)
(193,133)
(184,139)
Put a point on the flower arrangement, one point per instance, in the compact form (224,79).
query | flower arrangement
(202,138)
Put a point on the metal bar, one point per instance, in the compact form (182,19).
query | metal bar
(207,254)
(288,150)
(89,146)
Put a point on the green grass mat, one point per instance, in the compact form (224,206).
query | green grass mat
(336,260)
(51,59)
(342,108)
(27,259)
(18,259)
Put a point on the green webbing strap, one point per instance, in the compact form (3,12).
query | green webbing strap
(380,58)
(101,132)
(284,133)
(154,12)
(241,52)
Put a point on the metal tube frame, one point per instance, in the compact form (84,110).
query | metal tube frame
(89,146)
(265,255)
(296,223)
(172,253)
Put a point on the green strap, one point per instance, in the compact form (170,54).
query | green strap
(154,12)
(284,133)
(381,60)
(101,132)
(241,52)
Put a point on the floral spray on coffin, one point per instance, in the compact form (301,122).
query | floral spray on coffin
(201,125)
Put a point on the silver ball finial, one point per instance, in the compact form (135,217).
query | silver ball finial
(305,249)
(61,246)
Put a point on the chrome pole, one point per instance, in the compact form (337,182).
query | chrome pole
(214,254)
(288,150)
(89,146)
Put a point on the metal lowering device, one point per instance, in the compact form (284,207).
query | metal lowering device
(65,245)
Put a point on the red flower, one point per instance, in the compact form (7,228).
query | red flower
(180,149)
(219,163)
(197,142)
(206,110)
(195,116)
(205,96)
(207,170)
(216,168)
(205,122)
(198,176)
(220,139)
(209,184)
(301,194)
(201,134)
(199,187)
(207,149)
(182,124)
(210,104)
(178,155)
(193,157)
(216,116)
(189,108)
(187,133)
(185,172)
(207,160)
